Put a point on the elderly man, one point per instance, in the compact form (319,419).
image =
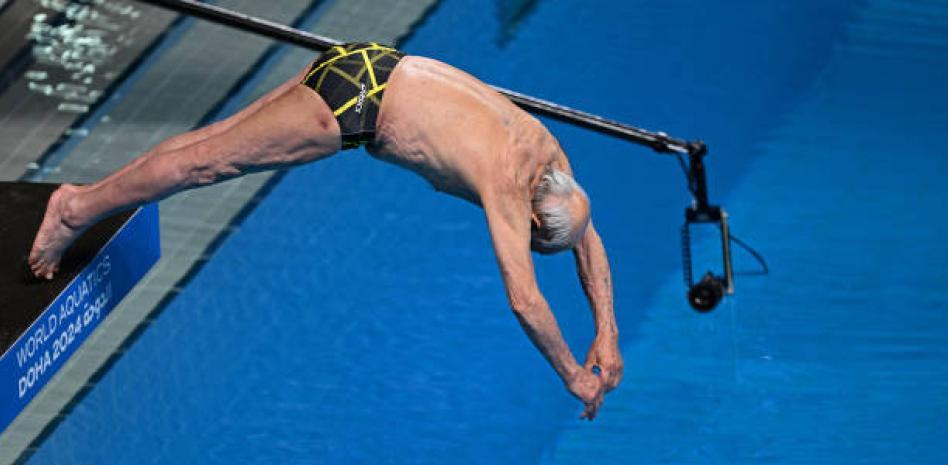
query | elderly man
(463,137)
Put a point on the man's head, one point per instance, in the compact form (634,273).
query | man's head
(560,213)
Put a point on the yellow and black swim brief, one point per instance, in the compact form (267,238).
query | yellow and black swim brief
(351,78)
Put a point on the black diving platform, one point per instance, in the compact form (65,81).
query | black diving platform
(43,322)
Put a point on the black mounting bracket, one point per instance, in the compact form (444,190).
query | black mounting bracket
(707,292)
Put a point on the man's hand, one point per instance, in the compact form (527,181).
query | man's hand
(588,388)
(593,268)
(604,353)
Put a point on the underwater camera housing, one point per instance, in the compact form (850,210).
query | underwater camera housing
(704,295)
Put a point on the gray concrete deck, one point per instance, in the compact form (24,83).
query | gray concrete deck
(194,75)
(42,94)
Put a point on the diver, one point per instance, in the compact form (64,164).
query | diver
(466,139)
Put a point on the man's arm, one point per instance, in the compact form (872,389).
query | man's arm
(509,222)
(592,266)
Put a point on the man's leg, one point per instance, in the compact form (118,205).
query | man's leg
(218,127)
(213,129)
(294,126)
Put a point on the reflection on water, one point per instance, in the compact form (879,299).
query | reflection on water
(74,40)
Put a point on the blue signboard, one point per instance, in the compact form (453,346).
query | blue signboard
(62,327)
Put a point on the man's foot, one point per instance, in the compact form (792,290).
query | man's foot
(60,227)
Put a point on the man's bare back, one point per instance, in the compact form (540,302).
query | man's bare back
(458,133)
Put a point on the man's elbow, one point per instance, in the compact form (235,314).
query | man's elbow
(526,303)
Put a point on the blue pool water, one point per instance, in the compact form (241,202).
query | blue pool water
(357,317)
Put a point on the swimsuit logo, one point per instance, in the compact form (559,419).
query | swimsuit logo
(362,93)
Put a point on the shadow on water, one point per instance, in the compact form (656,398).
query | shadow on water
(510,16)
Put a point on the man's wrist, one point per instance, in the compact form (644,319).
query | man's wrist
(608,330)
(572,371)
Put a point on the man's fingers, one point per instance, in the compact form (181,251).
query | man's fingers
(595,389)
(588,413)
(592,408)
(611,379)
(595,367)
(608,374)
(590,362)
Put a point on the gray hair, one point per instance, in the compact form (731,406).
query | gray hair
(559,228)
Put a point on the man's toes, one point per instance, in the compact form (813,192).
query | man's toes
(42,270)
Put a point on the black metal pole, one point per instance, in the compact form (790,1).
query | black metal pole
(699,180)
(660,142)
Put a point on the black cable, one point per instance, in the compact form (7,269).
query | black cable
(684,169)
(765,270)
